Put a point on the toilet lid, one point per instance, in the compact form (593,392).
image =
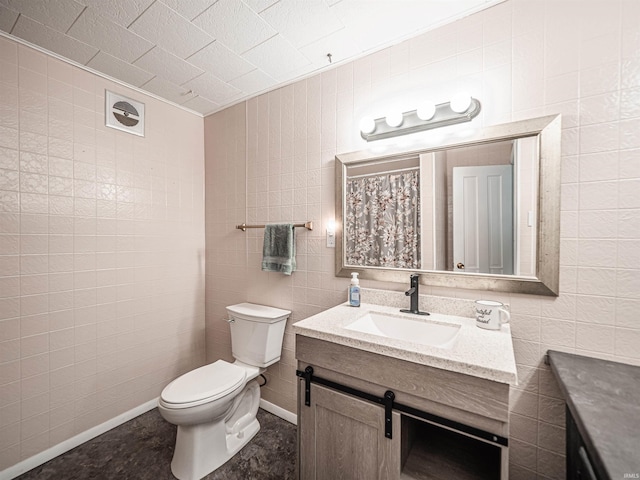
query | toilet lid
(210,382)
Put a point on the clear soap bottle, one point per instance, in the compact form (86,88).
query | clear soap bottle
(354,290)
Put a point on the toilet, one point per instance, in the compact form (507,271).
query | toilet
(215,406)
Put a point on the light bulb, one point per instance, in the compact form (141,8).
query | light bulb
(394,119)
(331,227)
(367,125)
(426,111)
(460,103)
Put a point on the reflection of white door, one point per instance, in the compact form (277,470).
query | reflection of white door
(483,219)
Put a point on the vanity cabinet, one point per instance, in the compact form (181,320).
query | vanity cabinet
(443,424)
(343,437)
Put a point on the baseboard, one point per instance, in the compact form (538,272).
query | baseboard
(279,411)
(59,449)
(73,442)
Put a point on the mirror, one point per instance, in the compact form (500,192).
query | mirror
(479,211)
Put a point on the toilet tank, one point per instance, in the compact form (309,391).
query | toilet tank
(256,333)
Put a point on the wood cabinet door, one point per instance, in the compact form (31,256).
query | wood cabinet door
(342,437)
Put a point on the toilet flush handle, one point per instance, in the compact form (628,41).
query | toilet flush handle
(231,320)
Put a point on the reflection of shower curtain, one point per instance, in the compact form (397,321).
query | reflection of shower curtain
(382,220)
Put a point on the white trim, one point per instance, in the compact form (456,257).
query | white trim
(59,449)
(279,411)
(73,442)
(97,73)
(478,8)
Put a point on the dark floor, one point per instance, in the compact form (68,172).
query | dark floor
(142,448)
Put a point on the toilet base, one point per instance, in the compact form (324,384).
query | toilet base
(202,448)
(189,465)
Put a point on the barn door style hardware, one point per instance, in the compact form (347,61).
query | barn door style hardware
(389,404)
(386,401)
(389,397)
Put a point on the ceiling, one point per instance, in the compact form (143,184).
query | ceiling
(209,54)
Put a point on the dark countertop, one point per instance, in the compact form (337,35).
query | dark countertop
(604,400)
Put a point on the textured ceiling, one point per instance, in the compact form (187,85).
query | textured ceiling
(209,54)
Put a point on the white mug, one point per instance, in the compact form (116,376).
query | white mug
(489,314)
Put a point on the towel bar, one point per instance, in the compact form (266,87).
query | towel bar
(244,226)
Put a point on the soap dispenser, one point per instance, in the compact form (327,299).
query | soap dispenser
(354,290)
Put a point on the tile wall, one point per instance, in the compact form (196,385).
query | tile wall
(101,252)
(522,59)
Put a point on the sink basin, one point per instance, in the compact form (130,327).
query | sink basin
(421,331)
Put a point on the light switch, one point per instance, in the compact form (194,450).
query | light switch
(331,239)
(331,235)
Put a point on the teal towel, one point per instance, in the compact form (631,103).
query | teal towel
(279,248)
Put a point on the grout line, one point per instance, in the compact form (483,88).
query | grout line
(261,43)
(199,50)
(192,79)
(74,22)
(202,12)
(155,76)
(89,61)
(15,23)
(97,73)
(141,13)
(134,61)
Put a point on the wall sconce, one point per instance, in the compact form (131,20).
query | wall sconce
(461,108)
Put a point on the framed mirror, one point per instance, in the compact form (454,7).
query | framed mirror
(476,211)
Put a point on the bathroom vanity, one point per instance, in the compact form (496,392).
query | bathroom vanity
(387,395)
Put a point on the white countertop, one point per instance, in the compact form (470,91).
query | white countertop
(482,353)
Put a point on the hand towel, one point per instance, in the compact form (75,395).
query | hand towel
(279,248)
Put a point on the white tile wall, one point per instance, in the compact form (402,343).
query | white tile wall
(270,159)
(101,252)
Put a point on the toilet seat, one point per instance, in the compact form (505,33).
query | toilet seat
(203,385)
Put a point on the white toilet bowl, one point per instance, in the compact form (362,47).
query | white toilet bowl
(215,406)
(215,409)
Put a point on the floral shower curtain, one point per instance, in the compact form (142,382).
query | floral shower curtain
(382,220)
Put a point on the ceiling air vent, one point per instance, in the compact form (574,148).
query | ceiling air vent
(124,114)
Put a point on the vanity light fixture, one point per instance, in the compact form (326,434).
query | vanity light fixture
(367,125)
(426,111)
(394,119)
(461,108)
(460,103)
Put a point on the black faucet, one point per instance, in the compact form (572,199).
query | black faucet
(413,293)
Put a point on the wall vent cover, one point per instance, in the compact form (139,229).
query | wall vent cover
(124,114)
